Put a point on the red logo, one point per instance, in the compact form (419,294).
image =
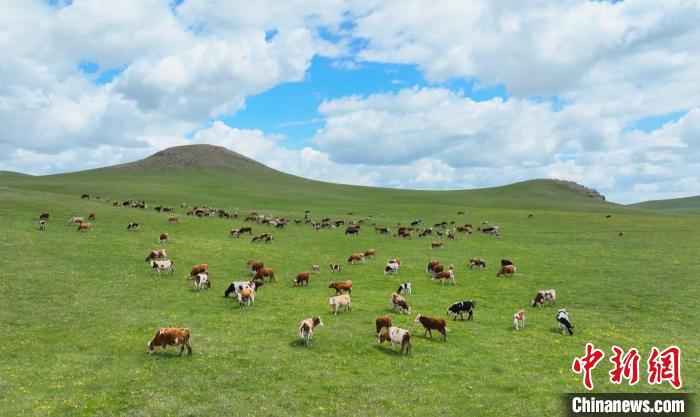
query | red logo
(665,366)
(586,363)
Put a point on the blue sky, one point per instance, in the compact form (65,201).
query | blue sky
(465,94)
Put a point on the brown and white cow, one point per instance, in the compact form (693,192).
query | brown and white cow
(84,227)
(519,320)
(302,277)
(341,286)
(198,269)
(431,266)
(356,257)
(201,281)
(436,245)
(400,303)
(255,265)
(334,267)
(263,273)
(396,335)
(477,262)
(156,254)
(443,276)
(173,219)
(315,269)
(164,237)
(75,220)
(340,301)
(382,322)
(246,296)
(370,253)
(306,329)
(171,336)
(548,296)
(158,266)
(508,270)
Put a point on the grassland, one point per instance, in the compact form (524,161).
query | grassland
(79,308)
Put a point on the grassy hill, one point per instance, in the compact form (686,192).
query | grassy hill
(79,308)
(687,205)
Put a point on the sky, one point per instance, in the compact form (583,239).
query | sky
(412,94)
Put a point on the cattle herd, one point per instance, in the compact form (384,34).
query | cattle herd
(245,290)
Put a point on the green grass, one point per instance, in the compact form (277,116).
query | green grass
(687,205)
(79,308)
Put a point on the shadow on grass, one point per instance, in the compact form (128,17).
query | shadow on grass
(387,350)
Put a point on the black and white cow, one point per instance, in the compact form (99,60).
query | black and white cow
(564,322)
(406,286)
(237,286)
(457,309)
(392,268)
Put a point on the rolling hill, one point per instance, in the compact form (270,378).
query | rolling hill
(687,205)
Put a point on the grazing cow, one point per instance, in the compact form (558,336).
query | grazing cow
(198,269)
(238,286)
(262,273)
(84,227)
(433,323)
(443,276)
(302,278)
(382,322)
(92,216)
(477,262)
(381,230)
(370,253)
(246,229)
(76,220)
(156,254)
(340,301)
(341,286)
(396,335)
(255,265)
(158,266)
(431,266)
(246,296)
(392,268)
(164,237)
(406,286)
(436,245)
(133,226)
(173,219)
(505,262)
(548,296)
(42,225)
(315,269)
(400,304)
(201,281)
(171,336)
(306,329)
(458,309)
(44,216)
(416,222)
(508,270)
(85,196)
(235,233)
(356,257)
(519,320)
(334,267)
(564,322)
(352,230)
(425,232)
(451,236)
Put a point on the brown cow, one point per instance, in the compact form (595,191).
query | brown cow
(432,323)
(92,216)
(381,322)
(261,273)
(436,245)
(341,286)
(370,253)
(431,266)
(87,227)
(156,254)
(173,219)
(508,270)
(171,336)
(246,229)
(477,262)
(302,277)
(75,220)
(164,237)
(255,265)
(356,257)
(400,303)
(198,269)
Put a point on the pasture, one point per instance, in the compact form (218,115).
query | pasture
(79,308)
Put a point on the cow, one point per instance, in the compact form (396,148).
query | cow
(352,230)
(478,262)
(436,245)
(457,309)
(519,320)
(133,226)
(85,196)
(341,286)
(382,322)
(171,336)
(246,229)
(563,322)
(548,296)
(508,270)
(431,266)
(306,329)
(406,286)
(262,273)
(315,269)
(201,281)
(356,257)
(505,262)
(42,225)
(302,277)
(425,232)
(443,276)
(198,269)
(246,296)
(92,216)
(433,323)
(44,216)
(370,253)
(235,233)
(255,265)
(173,219)
(164,237)
(238,286)
(381,230)
(84,227)
(340,301)
(158,266)
(396,335)
(334,267)
(156,254)
(400,304)
(75,220)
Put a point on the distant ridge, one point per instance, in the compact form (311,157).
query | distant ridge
(199,157)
